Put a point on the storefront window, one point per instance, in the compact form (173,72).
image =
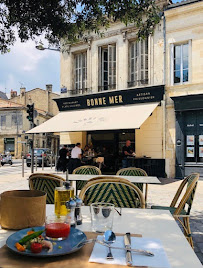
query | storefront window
(107,67)
(181,63)
(138,63)
(80,71)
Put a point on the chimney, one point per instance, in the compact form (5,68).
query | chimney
(49,90)
(49,87)
(13,94)
(22,95)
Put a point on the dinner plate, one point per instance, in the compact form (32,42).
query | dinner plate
(67,246)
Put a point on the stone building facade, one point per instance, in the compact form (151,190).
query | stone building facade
(14,122)
(184,88)
(117,61)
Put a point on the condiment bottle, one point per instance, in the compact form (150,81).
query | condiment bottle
(61,196)
(70,205)
(78,215)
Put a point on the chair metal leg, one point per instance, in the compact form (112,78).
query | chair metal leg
(146,192)
(189,235)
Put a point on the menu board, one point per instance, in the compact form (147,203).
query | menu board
(200,151)
(190,151)
(200,139)
(190,140)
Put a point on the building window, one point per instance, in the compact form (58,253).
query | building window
(138,63)
(14,120)
(3,121)
(17,120)
(180,60)
(107,67)
(80,72)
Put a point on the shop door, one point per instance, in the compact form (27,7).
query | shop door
(193,129)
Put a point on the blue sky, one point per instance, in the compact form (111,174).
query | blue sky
(26,66)
(29,67)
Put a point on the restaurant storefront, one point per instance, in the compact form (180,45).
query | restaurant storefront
(189,134)
(110,118)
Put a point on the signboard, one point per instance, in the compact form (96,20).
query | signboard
(64,90)
(190,152)
(113,98)
(190,139)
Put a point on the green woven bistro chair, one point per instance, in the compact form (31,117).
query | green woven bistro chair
(117,191)
(85,170)
(133,171)
(181,212)
(45,182)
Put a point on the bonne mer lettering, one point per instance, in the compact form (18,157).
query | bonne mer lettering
(103,101)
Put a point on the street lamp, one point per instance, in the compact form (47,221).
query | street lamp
(41,47)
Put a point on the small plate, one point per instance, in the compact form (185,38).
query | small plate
(68,245)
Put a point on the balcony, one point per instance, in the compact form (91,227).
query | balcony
(138,83)
(106,87)
(80,91)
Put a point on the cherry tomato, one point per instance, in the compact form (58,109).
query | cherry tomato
(36,247)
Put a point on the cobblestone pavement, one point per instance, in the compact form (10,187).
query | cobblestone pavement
(163,195)
(157,195)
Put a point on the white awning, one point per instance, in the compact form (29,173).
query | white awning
(122,117)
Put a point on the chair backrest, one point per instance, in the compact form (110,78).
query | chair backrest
(131,171)
(117,191)
(188,197)
(87,170)
(45,182)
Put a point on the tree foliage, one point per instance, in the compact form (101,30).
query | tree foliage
(71,18)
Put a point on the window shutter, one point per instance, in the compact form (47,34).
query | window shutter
(112,66)
(84,70)
(99,67)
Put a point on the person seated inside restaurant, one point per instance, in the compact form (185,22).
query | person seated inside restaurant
(75,160)
(86,149)
(127,152)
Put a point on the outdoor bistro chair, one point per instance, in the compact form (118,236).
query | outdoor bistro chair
(181,211)
(85,170)
(47,183)
(118,191)
(133,171)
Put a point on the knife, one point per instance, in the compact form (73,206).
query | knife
(127,242)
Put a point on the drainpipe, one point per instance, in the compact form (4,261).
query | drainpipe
(164,82)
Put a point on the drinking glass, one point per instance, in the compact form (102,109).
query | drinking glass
(102,216)
(57,227)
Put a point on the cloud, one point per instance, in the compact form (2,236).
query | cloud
(29,67)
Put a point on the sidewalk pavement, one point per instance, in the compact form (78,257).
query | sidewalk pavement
(157,195)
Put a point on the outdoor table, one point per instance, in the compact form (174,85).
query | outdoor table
(154,223)
(135,179)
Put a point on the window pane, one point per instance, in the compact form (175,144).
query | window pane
(177,64)
(177,77)
(177,52)
(185,63)
(185,75)
(132,50)
(185,50)
(105,56)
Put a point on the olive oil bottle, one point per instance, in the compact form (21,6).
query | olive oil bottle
(61,196)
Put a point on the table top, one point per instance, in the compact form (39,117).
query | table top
(139,179)
(149,223)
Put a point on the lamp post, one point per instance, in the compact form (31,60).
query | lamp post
(41,47)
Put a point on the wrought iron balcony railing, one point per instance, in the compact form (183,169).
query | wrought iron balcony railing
(138,83)
(106,87)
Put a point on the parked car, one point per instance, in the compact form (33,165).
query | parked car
(6,159)
(39,152)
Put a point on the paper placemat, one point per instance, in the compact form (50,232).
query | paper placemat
(159,260)
(9,259)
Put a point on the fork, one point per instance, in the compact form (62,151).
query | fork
(109,255)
